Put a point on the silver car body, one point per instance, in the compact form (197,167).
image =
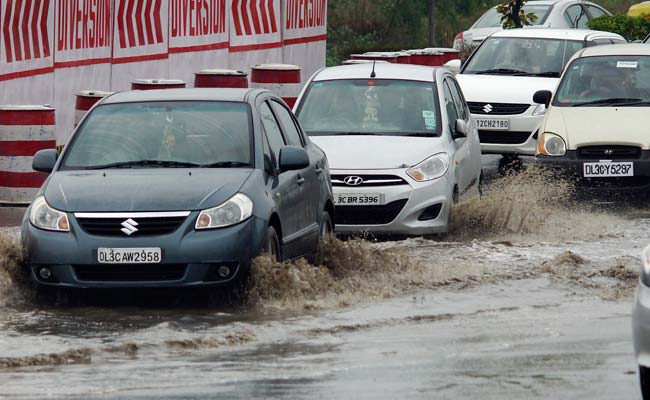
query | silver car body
(562,14)
(371,156)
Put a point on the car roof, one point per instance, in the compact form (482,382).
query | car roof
(382,70)
(630,49)
(551,33)
(217,94)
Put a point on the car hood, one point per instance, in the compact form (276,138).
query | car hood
(143,189)
(503,89)
(377,152)
(584,126)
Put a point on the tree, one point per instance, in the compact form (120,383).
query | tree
(514,15)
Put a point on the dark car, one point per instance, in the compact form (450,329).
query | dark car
(176,188)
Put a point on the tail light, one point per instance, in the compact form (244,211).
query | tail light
(458,42)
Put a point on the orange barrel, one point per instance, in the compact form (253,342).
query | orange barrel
(446,54)
(376,56)
(220,78)
(353,62)
(85,101)
(152,84)
(24,130)
(281,79)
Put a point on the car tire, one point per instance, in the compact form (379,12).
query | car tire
(644,380)
(273,246)
(326,225)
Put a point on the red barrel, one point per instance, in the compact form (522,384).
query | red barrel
(376,56)
(353,62)
(429,57)
(220,78)
(152,84)
(446,54)
(85,100)
(281,79)
(24,130)
(403,57)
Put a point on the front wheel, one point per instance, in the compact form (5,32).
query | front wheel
(326,225)
(273,247)
(644,380)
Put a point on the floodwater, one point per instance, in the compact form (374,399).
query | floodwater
(529,297)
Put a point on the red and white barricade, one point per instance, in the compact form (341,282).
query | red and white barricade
(377,56)
(153,84)
(446,54)
(24,130)
(220,78)
(403,57)
(281,79)
(85,101)
(353,62)
(429,57)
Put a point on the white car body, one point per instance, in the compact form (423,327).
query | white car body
(382,162)
(557,17)
(490,90)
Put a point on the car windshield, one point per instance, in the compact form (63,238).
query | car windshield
(606,81)
(163,134)
(522,57)
(370,107)
(492,18)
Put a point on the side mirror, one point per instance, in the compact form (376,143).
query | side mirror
(543,97)
(44,160)
(293,158)
(454,66)
(461,129)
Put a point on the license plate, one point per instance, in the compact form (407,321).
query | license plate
(358,199)
(608,169)
(493,124)
(142,255)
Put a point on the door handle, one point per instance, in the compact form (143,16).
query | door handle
(300,180)
(319,170)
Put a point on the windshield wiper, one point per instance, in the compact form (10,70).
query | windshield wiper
(226,164)
(547,74)
(502,71)
(354,133)
(146,163)
(420,134)
(636,103)
(607,102)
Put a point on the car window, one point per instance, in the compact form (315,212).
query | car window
(595,12)
(272,128)
(459,101)
(288,124)
(522,57)
(626,79)
(196,132)
(450,107)
(388,107)
(576,17)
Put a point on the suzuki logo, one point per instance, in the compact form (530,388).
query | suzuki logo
(609,152)
(353,180)
(129,227)
(488,108)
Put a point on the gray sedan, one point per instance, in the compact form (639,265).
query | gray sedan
(177,188)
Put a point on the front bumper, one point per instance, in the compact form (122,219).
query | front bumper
(571,167)
(417,198)
(195,256)
(501,142)
(641,325)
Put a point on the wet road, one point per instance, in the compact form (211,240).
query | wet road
(536,304)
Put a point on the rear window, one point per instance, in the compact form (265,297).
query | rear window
(193,132)
(370,106)
(492,18)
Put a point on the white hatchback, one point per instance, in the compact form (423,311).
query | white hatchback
(401,144)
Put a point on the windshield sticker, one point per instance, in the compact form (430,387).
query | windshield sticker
(430,123)
(428,114)
(627,64)
(318,84)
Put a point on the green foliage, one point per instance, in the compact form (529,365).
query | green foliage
(631,28)
(514,16)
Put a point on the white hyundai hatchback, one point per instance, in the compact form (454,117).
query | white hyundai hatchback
(400,141)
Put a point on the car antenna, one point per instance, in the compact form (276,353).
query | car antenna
(373,74)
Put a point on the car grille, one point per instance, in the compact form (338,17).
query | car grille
(369,180)
(130,272)
(503,137)
(369,215)
(609,153)
(497,108)
(145,227)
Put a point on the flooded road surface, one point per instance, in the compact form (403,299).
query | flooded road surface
(531,299)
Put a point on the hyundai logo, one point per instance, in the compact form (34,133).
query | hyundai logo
(609,152)
(129,227)
(487,108)
(353,180)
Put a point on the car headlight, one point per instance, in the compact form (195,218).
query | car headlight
(645,269)
(432,168)
(539,110)
(42,216)
(550,144)
(235,210)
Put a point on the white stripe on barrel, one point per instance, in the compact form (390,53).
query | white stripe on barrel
(220,78)
(281,79)
(24,130)
(85,101)
(152,84)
